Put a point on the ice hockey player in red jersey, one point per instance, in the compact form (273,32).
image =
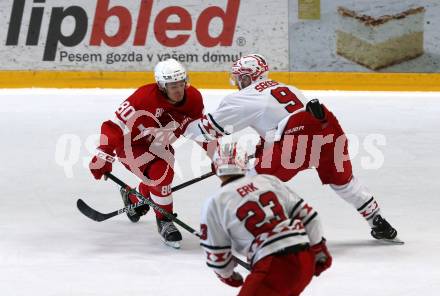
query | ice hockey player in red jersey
(140,135)
(261,218)
(282,116)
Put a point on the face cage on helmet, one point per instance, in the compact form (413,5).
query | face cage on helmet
(234,80)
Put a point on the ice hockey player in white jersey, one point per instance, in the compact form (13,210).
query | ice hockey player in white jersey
(262,219)
(283,117)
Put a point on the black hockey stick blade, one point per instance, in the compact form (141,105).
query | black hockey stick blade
(92,213)
(97,216)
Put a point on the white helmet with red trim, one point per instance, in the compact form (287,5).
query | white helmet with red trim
(169,71)
(253,65)
(229,159)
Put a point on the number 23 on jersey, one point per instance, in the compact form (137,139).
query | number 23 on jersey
(256,219)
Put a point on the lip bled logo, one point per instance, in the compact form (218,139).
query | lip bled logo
(162,25)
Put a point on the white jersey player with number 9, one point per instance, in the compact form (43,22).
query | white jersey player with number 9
(262,107)
(284,118)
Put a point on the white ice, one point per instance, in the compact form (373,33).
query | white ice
(47,247)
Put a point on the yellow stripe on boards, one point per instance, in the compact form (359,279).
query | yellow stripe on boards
(366,81)
(302,80)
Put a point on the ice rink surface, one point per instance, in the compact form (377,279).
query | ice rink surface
(48,248)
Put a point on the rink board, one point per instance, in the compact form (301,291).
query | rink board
(220,80)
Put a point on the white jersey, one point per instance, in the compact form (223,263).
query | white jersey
(255,216)
(262,106)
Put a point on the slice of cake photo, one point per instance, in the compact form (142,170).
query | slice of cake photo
(380,35)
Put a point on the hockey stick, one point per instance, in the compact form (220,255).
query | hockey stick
(99,217)
(168,215)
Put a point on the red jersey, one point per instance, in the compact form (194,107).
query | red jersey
(146,111)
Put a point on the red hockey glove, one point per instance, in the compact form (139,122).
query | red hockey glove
(323,259)
(101,164)
(235,280)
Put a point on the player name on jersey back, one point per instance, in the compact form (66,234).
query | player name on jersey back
(255,212)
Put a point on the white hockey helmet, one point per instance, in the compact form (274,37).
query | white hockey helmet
(169,71)
(253,66)
(229,159)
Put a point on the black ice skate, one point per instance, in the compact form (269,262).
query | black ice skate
(383,231)
(169,233)
(134,214)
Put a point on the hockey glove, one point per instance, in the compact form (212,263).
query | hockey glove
(323,259)
(101,164)
(235,280)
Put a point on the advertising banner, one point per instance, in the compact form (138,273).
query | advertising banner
(364,36)
(118,35)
